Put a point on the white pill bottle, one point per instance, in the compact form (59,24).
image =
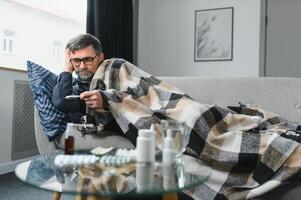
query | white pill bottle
(146,146)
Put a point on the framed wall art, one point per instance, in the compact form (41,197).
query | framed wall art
(213,39)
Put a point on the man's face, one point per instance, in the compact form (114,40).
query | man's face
(85,62)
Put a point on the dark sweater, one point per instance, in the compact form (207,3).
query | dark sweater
(65,87)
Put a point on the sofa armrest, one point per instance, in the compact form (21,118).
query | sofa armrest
(103,139)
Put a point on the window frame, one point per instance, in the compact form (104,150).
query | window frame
(8,42)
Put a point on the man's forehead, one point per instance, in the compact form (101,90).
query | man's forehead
(88,49)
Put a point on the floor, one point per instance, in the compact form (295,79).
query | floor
(11,188)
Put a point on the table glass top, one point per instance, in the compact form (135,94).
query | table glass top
(132,179)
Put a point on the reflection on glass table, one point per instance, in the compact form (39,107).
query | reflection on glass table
(127,180)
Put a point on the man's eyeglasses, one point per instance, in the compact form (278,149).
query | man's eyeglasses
(86,60)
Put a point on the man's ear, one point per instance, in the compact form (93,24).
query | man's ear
(101,56)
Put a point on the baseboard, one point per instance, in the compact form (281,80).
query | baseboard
(10,166)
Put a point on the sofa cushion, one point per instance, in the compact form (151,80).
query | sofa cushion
(279,95)
(42,82)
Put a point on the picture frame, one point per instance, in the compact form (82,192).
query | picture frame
(213,39)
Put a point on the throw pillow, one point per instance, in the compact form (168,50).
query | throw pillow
(42,82)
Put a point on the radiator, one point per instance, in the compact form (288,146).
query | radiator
(23,138)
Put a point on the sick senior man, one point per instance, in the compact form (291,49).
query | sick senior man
(83,56)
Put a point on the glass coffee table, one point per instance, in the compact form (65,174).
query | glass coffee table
(126,181)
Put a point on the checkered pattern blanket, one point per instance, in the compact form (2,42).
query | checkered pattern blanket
(246,149)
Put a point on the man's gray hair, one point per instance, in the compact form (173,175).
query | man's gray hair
(82,41)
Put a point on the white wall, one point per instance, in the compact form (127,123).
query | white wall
(35,32)
(166,38)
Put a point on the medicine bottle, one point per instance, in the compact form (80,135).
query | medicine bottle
(69,140)
(145,146)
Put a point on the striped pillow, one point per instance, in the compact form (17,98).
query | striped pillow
(42,82)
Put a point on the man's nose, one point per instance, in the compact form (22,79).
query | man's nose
(82,65)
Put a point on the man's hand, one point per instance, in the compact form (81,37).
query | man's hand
(93,99)
(68,65)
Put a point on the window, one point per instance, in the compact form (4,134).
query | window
(56,51)
(38,31)
(8,41)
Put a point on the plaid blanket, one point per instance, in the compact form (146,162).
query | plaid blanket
(248,150)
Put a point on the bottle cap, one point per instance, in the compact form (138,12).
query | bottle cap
(145,133)
(145,146)
(68,129)
(152,128)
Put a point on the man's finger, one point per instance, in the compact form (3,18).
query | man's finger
(85,95)
(93,98)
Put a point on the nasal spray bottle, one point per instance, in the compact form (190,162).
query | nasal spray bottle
(168,156)
(145,159)
(69,140)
